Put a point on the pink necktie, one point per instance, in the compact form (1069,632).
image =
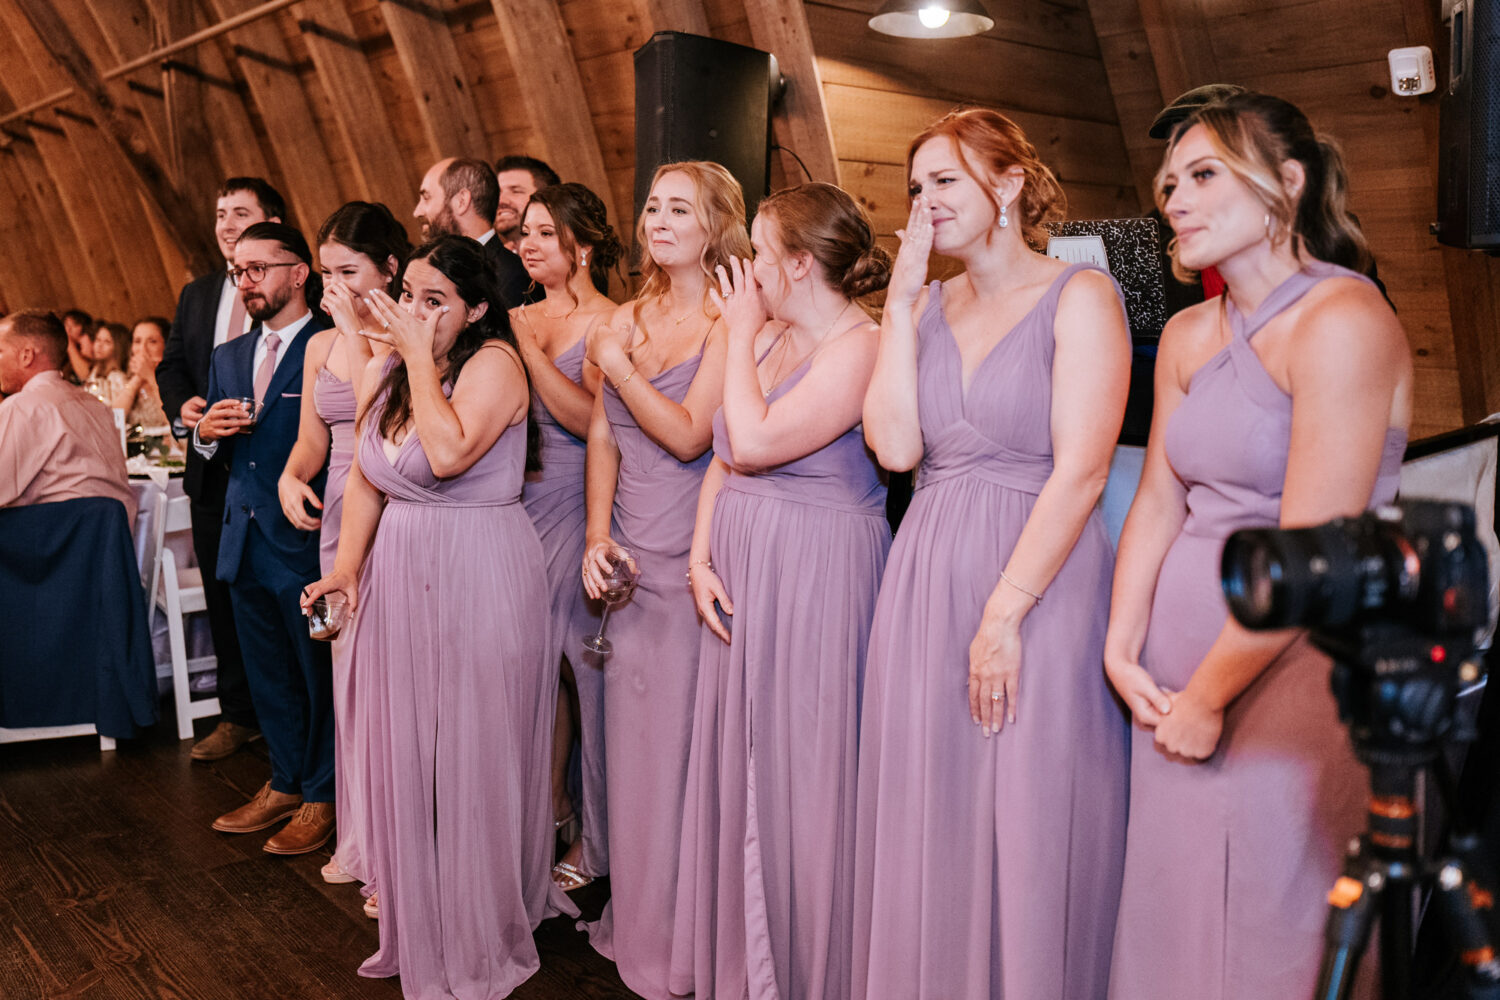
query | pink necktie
(237,316)
(267,369)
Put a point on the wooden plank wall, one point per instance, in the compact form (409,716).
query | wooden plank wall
(305,95)
(1329,58)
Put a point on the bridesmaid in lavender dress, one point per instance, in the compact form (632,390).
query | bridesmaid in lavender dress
(790,542)
(992,756)
(1284,402)
(663,364)
(459,684)
(569,248)
(360,248)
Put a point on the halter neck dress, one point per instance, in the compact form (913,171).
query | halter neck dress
(554,498)
(335,403)
(461,715)
(765,884)
(1229,861)
(987,867)
(649,684)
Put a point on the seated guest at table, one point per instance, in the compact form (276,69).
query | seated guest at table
(110,349)
(56,441)
(77,324)
(265,560)
(139,395)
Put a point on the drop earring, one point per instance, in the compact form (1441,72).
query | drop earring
(1004,218)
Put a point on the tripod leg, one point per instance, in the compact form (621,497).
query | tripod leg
(1351,908)
(1462,901)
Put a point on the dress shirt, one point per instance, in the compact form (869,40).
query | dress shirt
(287,335)
(57,442)
(489,234)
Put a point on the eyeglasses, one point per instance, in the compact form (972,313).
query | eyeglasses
(257,271)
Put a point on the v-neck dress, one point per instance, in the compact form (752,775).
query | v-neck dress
(554,498)
(649,684)
(765,888)
(987,867)
(461,691)
(1229,861)
(335,403)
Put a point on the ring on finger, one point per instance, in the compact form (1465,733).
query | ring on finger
(996,696)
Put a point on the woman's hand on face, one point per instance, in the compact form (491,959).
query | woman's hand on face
(994,673)
(605,348)
(335,582)
(1191,729)
(1147,702)
(293,492)
(909,273)
(737,297)
(596,556)
(342,307)
(708,588)
(408,336)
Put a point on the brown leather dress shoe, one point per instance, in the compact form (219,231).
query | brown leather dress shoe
(264,810)
(308,830)
(226,738)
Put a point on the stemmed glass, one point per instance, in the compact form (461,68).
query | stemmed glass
(619,584)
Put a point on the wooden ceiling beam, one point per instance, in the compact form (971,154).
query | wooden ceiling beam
(34,277)
(800,121)
(678,15)
(379,171)
(537,42)
(123,137)
(1181,47)
(1134,87)
(291,131)
(444,100)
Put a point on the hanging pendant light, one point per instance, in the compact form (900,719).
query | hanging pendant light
(931,18)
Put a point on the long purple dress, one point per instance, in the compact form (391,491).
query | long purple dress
(555,500)
(649,684)
(765,890)
(987,867)
(334,400)
(461,689)
(1229,861)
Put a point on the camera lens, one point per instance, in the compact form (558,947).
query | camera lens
(1284,578)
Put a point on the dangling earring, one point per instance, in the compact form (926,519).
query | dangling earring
(1269,234)
(1004,218)
(583,259)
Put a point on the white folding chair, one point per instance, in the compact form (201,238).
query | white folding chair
(179,593)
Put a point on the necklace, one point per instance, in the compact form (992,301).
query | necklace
(698,311)
(546,315)
(785,338)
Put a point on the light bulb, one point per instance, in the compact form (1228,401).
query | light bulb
(933,17)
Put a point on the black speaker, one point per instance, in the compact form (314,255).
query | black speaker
(1469,130)
(699,98)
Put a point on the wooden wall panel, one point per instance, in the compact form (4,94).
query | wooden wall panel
(445,104)
(34,276)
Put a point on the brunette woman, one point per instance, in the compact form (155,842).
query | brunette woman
(992,755)
(1284,402)
(663,364)
(790,543)
(569,249)
(447,572)
(138,396)
(360,249)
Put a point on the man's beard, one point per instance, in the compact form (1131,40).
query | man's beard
(443,225)
(262,307)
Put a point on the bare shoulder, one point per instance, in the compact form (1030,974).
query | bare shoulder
(319,346)
(1089,290)
(1347,314)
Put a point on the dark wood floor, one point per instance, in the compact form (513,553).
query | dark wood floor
(114,887)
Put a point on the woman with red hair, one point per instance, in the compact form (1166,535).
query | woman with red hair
(991,803)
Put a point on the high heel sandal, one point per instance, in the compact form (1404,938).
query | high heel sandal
(569,877)
(372,906)
(334,875)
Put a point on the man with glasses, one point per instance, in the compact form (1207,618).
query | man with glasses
(249,427)
(209,313)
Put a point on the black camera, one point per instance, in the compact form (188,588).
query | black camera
(1418,563)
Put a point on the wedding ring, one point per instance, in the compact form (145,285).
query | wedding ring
(996,696)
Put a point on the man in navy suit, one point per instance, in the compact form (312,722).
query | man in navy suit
(209,313)
(264,559)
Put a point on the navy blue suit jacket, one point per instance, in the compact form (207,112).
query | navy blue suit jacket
(256,460)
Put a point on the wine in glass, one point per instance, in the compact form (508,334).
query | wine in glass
(619,584)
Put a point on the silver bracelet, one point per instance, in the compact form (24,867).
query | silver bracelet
(1034,597)
(697,562)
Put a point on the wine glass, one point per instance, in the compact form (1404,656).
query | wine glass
(619,584)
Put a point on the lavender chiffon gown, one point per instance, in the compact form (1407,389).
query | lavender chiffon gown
(460,688)
(555,500)
(334,400)
(1228,861)
(765,887)
(649,683)
(987,867)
